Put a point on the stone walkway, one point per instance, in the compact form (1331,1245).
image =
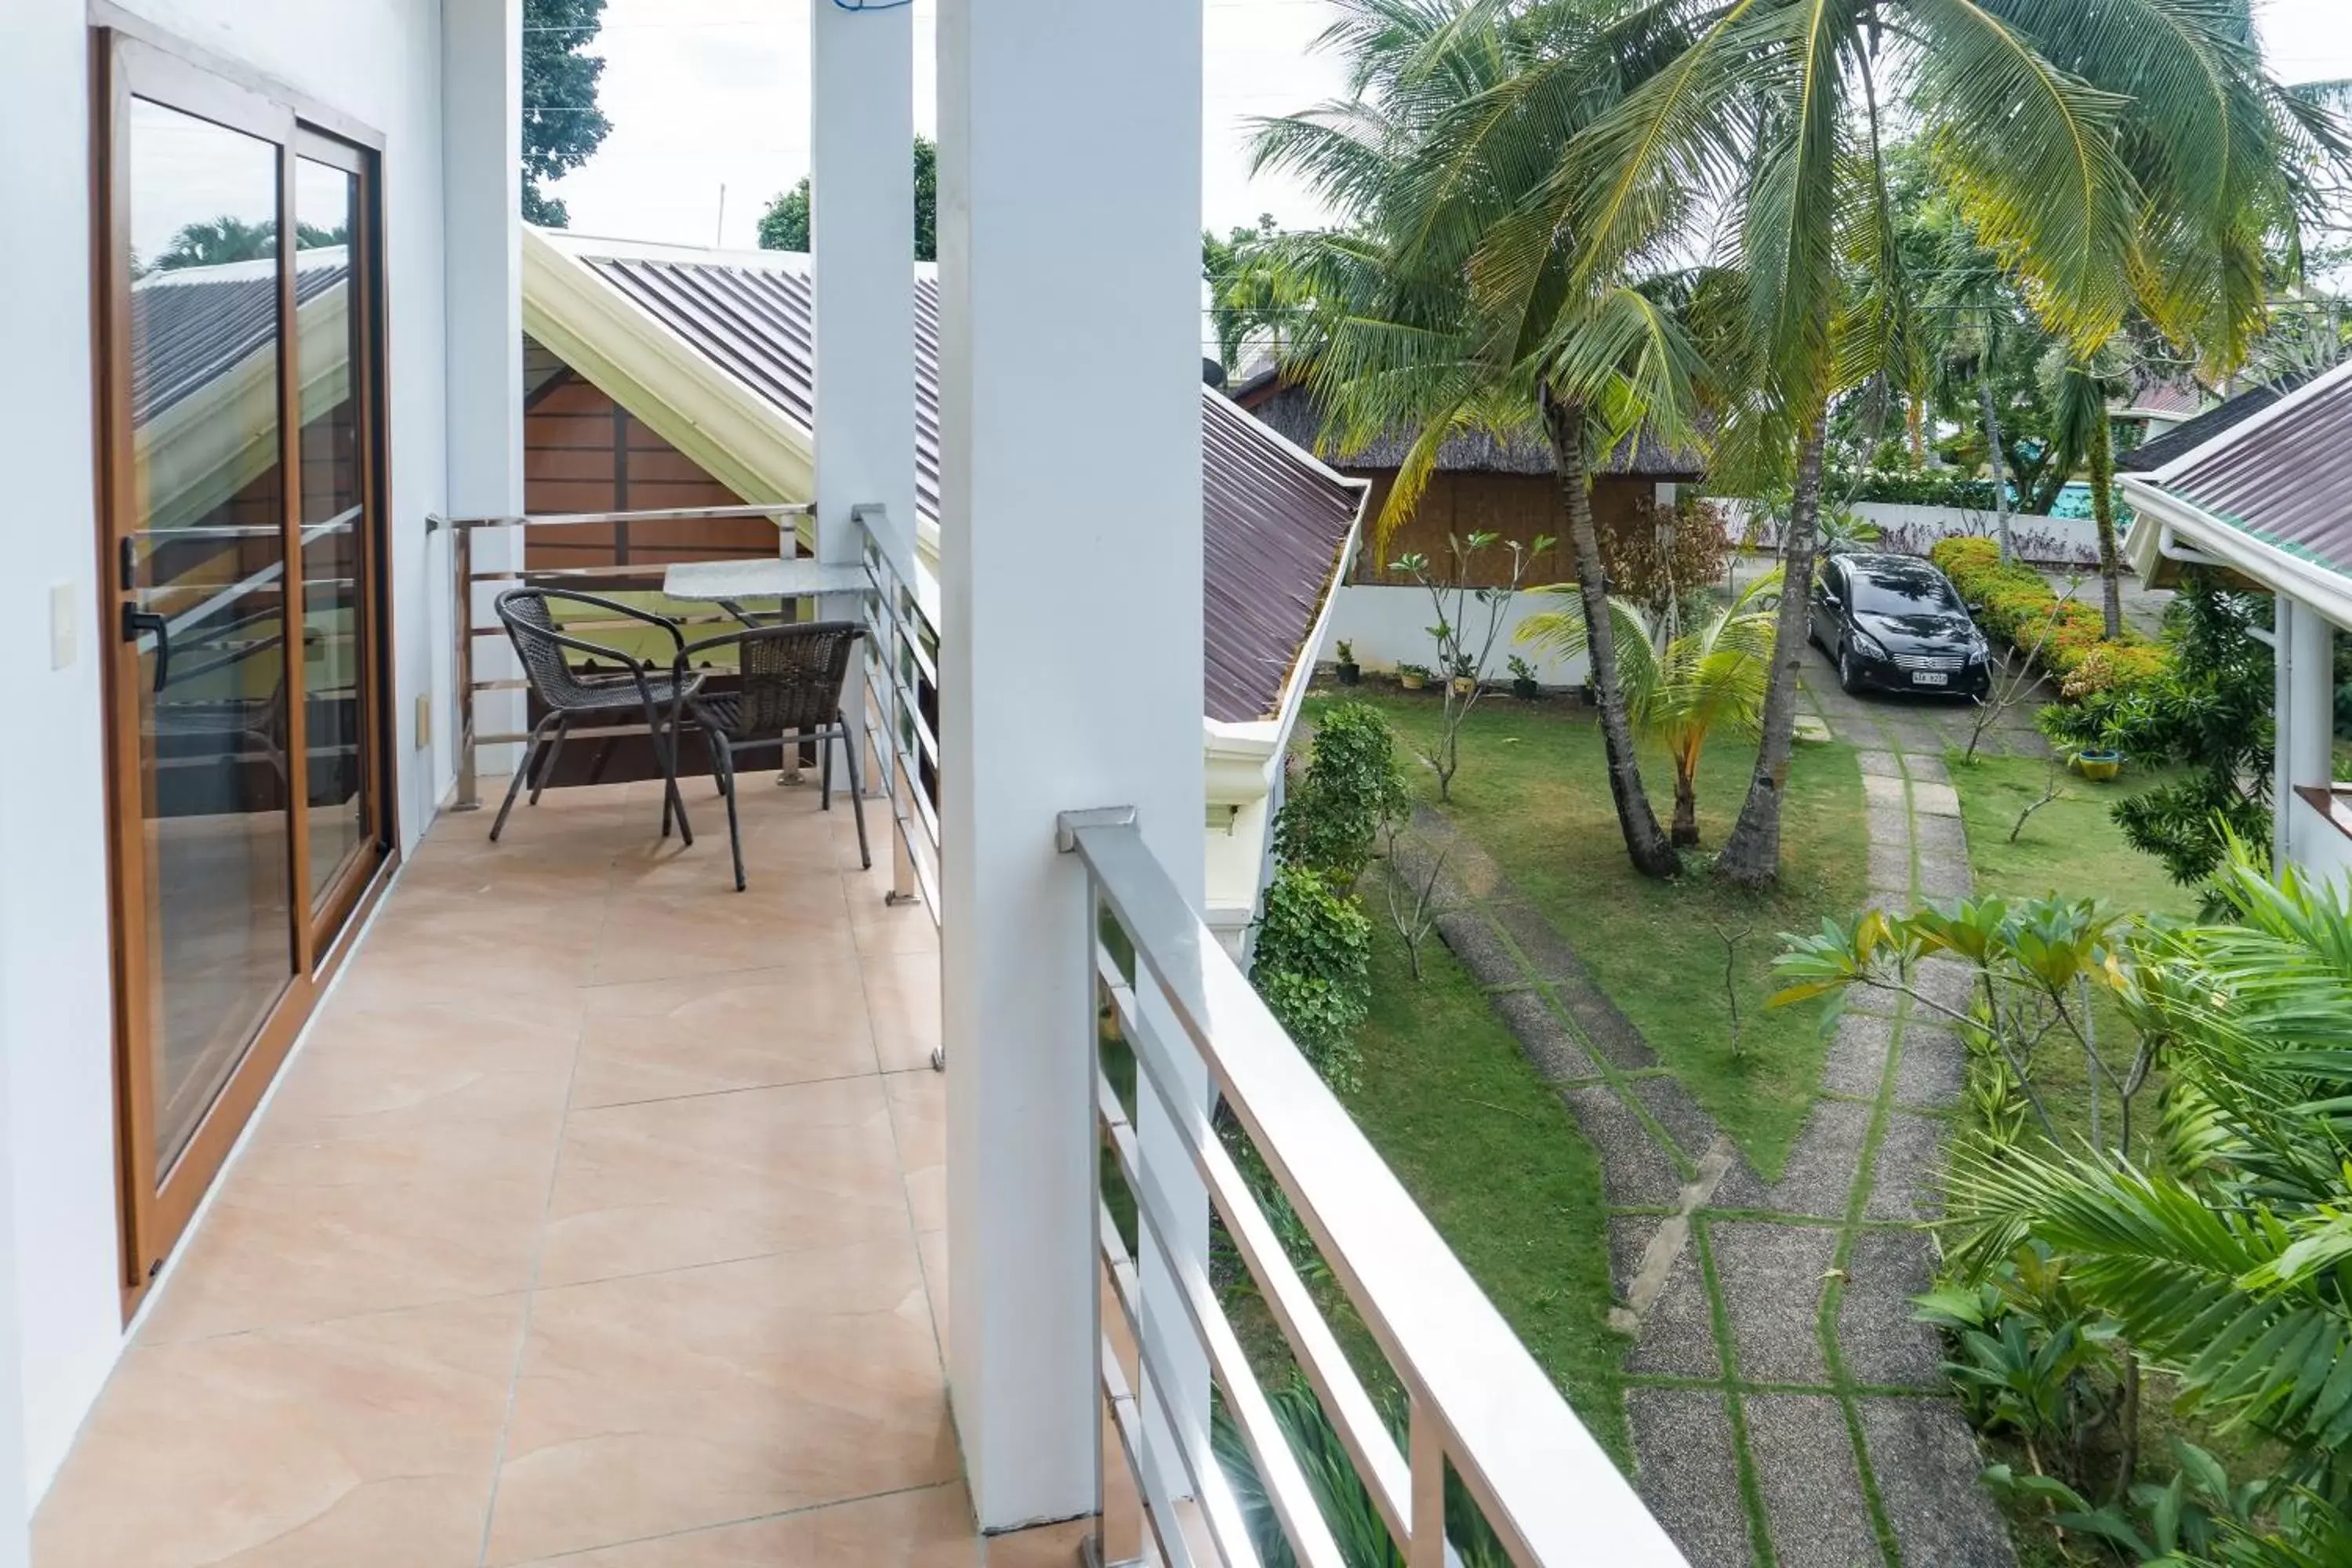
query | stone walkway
(1786,1409)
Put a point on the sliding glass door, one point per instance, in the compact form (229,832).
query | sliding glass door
(239,541)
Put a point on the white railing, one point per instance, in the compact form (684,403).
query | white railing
(1477,1401)
(902,685)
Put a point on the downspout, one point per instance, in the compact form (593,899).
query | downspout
(2282,641)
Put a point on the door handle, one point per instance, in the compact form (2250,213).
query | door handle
(136,622)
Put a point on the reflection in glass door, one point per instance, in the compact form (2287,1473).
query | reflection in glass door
(242,433)
(203,563)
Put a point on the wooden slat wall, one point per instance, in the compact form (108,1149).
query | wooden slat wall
(1516,507)
(583,452)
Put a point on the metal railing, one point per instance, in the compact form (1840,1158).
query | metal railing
(1477,1401)
(902,684)
(464,579)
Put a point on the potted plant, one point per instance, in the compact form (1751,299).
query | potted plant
(2099,766)
(1466,677)
(1349,670)
(1413,676)
(1523,680)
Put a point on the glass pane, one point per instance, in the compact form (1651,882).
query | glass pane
(327,327)
(205,551)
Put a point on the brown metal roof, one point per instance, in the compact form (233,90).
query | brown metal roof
(1274,522)
(2184,438)
(2285,479)
(191,325)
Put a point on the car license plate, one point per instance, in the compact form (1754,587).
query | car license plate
(1930,678)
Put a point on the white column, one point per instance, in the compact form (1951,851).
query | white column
(2283,776)
(862,239)
(481,160)
(1069,231)
(2306,732)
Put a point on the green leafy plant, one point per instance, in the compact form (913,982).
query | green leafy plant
(1312,965)
(1469,623)
(1330,818)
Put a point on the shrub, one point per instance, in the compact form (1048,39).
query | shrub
(1910,486)
(1331,820)
(2012,603)
(1313,967)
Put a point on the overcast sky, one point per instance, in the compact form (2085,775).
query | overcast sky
(705,93)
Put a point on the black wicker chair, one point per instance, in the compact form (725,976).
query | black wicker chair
(790,693)
(570,694)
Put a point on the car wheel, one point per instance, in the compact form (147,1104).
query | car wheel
(1847,682)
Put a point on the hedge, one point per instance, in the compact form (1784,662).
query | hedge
(2012,603)
(1902,486)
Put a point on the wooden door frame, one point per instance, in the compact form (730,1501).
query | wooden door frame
(155,1207)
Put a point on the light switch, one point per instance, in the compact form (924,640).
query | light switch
(64,627)
(424,721)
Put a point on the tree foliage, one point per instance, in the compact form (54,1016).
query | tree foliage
(1313,967)
(1330,819)
(785,225)
(561,124)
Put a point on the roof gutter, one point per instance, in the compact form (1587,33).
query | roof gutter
(2173,528)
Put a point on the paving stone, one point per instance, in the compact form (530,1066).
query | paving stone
(1634,1171)
(1890,868)
(1941,835)
(1906,1185)
(1813,1490)
(1934,1067)
(1772,1278)
(1934,799)
(1551,959)
(1545,1041)
(1946,982)
(1678,1335)
(1927,768)
(1888,825)
(1821,1170)
(1880,764)
(1916,739)
(1926,1461)
(1942,878)
(1882,1339)
(1670,1106)
(1689,1473)
(1879,790)
(1629,1238)
(1481,948)
(1857,1059)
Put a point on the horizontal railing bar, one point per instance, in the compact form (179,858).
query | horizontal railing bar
(435,522)
(1127,1289)
(1547,1488)
(1127,1420)
(1227,1525)
(497,630)
(1353,1415)
(1303,1525)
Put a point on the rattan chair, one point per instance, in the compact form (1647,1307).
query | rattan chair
(570,694)
(793,678)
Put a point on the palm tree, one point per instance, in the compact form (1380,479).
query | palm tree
(2083,385)
(1680,686)
(1396,335)
(1774,114)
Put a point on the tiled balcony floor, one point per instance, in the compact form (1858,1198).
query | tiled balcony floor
(599,1221)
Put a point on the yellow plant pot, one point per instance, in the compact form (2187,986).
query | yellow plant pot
(2099,766)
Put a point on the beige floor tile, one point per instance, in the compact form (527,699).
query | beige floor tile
(403,959)
(1047,1546)
(702,1396)
(490,1059)
(881,927)
(671,1182)
(932,1246)
(334,1216)
(367,1443)
(919,1116)
(677,933)
(931,1528)
(902,998)
(750,1030)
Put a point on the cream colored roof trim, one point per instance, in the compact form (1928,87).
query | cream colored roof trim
(731,432)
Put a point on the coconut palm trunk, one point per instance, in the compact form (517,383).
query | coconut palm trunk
(1645,841)
(1751,856)
(2101,444)
(1685,828)
(1997,460)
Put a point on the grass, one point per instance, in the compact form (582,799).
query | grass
(1494,1158)
(1533,791)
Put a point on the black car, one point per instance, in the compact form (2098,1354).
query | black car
(1896,624)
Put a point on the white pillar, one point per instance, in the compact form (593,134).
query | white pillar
(862,241)
(1069,233)
(2282,777)
(481,226)
(2306,726)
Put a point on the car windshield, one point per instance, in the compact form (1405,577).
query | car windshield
(1902,593)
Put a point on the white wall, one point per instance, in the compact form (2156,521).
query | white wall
(376,61)
(1387,624)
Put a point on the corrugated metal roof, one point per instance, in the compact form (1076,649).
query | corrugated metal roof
(1291,409)
(191,325)
(2285,479)
(1274,521)
(2183,440)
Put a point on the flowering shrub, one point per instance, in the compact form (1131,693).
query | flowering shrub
(2012,603)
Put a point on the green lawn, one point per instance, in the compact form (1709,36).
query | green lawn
(1533,791)
(1494,1158)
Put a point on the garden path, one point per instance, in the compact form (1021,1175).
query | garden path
(1785,1406)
